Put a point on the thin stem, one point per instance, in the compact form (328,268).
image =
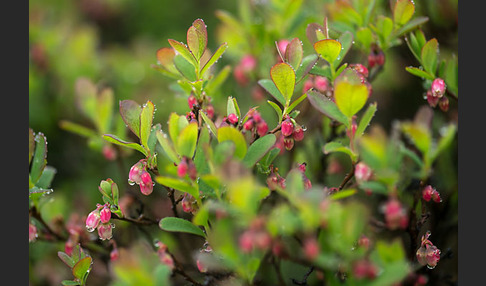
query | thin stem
(347,178)
(142,220)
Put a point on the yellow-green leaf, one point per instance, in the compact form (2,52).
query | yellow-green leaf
(329,49)
(283,76)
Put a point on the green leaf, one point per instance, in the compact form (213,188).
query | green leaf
(451,75)
(229,133)
(104,110)
(283,76)
(146,118)
(77,129)
(420,136)
(115,140)
(66,259)
(70,282)
(277,109)
(165,57)
(364,37)
(296,102)
(429,55)
(31,144)
(167,147)
(46,177)
(270,87)
(338,147)
(86,97)
(350,94)
(39,159)
(187,140)
(162,275)
(420,73)
(326,106)
(409,26)
(176,124)
(177,184)
(185,68)
(175,224)
(308,63)
(232,107)
(182,50)
(82,267)
(448,134)
(130,112)
(209,122)
(346,41)
(366,119)
(197,38)
(384,28)
(328,49)
(214,58)
(343,194)
(403,12)
(258,149)
(294,53)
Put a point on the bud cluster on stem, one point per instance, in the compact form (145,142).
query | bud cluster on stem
(139,175)
(100,219)
(435,95)
(428,254)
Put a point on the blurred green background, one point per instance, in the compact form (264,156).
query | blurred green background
(113,43)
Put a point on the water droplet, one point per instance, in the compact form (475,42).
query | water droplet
(130,182)
(304,128)
(90,229)
(430,267)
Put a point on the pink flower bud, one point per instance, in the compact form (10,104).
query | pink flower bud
(429,193)
(311,248)
(32,232)
(395,215)
(191,101)
(438,87)
(134,176)
(298,133)
(256,117)
(201,267)
(308,84)
(232,118)
(362,172)
(287,128)
(109,152)
(307,183)
(288,143)
(166,259)
(105,215)
(248,63)
(182,168)
(364,242)
(360,68)
(431,99)
(248,124)
(262,128)
(69,246)
(421,280)
(321,83)
(105,231)
(114,254)
(240,76)
(246,242)
(444,104)
(188,203)
(262,240)
(93,220)
(147,185)
(282,46)
(210,111)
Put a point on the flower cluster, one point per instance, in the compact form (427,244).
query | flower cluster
(139,175)
(430,193)
(395,214)
(255,123)
(256,237)
(164,256)
(187,167)
(428,254)
(243,71)
(291,131)
(435,95)
(320,83)
(100,219)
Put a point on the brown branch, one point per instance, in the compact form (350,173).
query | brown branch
(347,178)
